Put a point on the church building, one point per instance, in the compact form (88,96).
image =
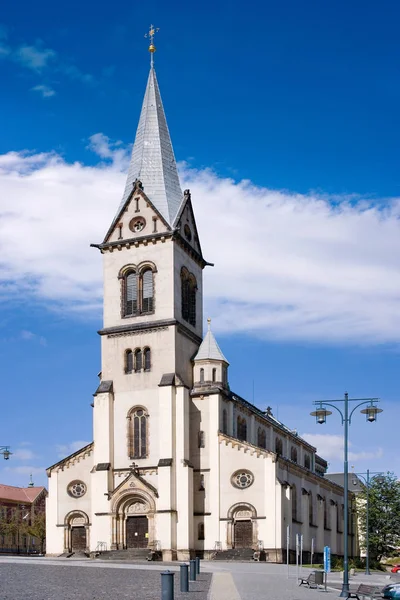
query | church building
(179,463)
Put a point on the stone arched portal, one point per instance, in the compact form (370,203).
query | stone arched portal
(133,524)
(76,532)
(242,530)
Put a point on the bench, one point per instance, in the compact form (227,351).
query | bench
(366,591)
(308,581)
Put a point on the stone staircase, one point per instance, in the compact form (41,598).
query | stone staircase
(238,554)
(129,555)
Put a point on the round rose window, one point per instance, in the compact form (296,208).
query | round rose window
(242,479)
(76,489)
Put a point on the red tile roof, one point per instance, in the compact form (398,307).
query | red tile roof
(17,494)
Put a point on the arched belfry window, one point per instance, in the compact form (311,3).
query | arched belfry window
(188,296)
(147,291)
(278,446)
(137,433)
(202,375)
(137,290)
(138,359)
(293,454)
(147,359)
(128,361)
(131,294)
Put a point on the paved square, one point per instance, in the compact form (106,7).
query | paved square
(19,581)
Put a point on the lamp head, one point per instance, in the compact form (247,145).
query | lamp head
(6,454)
(371,412)
(320,415)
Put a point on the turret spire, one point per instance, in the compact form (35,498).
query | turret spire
(153,161)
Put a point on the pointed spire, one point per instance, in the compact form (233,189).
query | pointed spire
(209,348)
(153,161)
(31,484)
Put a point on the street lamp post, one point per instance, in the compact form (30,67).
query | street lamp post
(320,415)
(5,451)
(366,478)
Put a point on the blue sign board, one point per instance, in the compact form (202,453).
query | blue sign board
(327,559)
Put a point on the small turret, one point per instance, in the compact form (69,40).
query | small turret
(210,365)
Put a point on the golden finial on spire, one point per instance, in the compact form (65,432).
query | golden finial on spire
(152,31)
(209,323)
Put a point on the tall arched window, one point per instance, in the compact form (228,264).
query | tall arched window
(201,375)
(225,421)
(278,446)
(128,361)
(310,508)
(147,291)
(131,294)
(188,296)
(261,438)
(294,503)
(293,454)
(137,433)
(214,375)
(147,359)
(307,461)
(242,428)
(138,359)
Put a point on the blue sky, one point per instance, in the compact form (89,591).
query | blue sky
(285,121)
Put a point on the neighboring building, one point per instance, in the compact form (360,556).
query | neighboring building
(18,508)
(355,486)
(179,462)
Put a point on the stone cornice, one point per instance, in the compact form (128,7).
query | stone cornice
(149,326)
(72,458)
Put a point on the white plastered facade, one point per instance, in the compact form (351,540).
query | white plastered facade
(207,478)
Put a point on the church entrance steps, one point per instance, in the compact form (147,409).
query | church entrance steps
(129,555)
(238,554)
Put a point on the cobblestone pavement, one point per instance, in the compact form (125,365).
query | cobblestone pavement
(21,581)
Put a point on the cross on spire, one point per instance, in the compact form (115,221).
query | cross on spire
(151,33)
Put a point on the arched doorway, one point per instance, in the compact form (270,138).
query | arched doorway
(242,526)
(133,521)
(76,536)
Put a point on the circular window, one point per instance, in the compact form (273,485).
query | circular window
(77,489)
(242,479)
(137,224)
(188,233)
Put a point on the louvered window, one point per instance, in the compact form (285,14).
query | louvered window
(188,296)
(128,361)
(131,303)
(138,359)
(147,359)
(147,294)
(137,434)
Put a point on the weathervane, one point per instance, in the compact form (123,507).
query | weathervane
(152,31)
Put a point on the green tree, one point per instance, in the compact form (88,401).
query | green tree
(38,529)
(384,515)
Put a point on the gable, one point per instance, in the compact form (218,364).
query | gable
(186,224)
(134,482)
(137,218)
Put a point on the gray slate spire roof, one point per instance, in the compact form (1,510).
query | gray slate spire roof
(153,161)
(209,348)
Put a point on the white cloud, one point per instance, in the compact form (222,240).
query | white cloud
(23,454)
(26,470)
(331,447)
(30,336)
(64,450)
(287,266)
(44,90)
(34,57)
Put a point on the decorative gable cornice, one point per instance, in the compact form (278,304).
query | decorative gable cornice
(71,459)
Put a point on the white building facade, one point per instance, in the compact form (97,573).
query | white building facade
(179,463)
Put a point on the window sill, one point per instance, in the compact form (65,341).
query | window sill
(296,521)
(313,525)
(327,528)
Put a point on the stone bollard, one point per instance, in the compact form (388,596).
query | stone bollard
(197,565)
(184,578)
(192,570)
(167,585)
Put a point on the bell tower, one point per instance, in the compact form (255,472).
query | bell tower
(152,329)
